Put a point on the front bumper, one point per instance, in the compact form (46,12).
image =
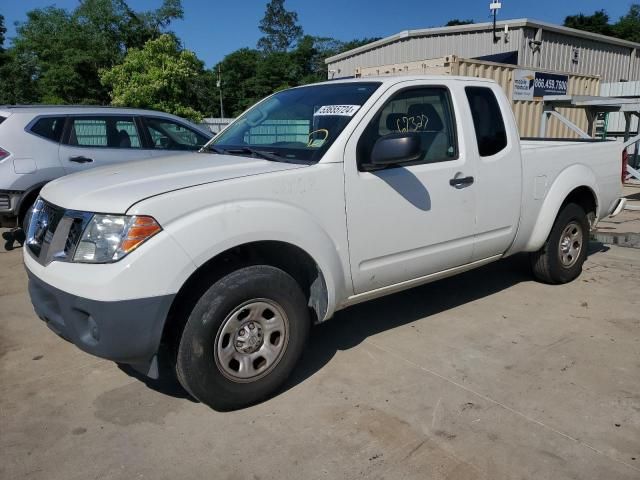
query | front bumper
(9,201)
(127,331)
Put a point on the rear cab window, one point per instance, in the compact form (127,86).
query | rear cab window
(491,134)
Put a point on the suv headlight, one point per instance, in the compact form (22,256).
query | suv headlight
(108,238)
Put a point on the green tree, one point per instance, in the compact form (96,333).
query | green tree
(457,21)
(249,75)
(159,76)
(239,82)
(16,85)
(3,31)
(61,52)
(280,28)
(596,23)
(628,27)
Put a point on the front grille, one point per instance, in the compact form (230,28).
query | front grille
(54,232)
(75,232)
(5,202)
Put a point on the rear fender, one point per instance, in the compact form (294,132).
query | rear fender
(573,177)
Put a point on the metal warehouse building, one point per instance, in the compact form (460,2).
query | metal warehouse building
(522,42)
(516,54)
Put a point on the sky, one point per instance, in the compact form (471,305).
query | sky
(215,28)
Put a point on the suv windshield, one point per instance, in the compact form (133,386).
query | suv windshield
(299,124)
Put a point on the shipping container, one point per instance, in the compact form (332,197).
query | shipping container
(527,113)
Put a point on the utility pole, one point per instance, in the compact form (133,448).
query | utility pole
(219,85)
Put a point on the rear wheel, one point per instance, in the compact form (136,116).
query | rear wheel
(243,337)
(560,260)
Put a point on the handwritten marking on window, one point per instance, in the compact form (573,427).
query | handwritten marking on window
(416,123)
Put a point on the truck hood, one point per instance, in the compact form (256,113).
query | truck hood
(115,188)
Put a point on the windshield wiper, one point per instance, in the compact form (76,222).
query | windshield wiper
(271,156)
(211,148)
(274,157)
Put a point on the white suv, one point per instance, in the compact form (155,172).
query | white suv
(41,143)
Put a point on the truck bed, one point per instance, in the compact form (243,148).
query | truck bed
(545,160)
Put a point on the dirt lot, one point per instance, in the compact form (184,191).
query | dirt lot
(486,375)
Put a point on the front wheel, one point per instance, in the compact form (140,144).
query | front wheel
(243,337)
(560,259)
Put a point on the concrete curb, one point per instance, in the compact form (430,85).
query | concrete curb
(631,240)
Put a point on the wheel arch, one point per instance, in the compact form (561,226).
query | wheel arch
(27,199)
(576,184)
(280,254)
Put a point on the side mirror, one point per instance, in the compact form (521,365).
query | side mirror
(396,148)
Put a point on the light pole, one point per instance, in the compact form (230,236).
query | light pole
(219,85)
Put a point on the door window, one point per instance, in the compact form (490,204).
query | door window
(169,135)
(109,132)
(426,111)
(491,134)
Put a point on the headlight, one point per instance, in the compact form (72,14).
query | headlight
(108,238)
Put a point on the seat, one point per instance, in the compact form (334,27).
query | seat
(427,122)
(123,139)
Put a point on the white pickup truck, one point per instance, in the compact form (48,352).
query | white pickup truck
(317,198)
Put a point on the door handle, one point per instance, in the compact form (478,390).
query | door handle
(81,159)
(461,182)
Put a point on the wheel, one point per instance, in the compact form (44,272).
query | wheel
(243,337)
(560,259)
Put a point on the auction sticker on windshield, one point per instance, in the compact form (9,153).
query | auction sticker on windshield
(341,110)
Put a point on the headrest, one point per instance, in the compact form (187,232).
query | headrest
(426,114)
(394,121)
(124,141)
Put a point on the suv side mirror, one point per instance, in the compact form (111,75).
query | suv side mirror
(396,148)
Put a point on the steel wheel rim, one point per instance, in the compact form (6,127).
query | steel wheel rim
(252,340)
(571,244)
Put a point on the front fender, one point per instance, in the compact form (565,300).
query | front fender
(208,232)
(569,179)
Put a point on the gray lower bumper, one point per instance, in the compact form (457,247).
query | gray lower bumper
(127,331)
(9,203)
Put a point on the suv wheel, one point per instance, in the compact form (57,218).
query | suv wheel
(243,337)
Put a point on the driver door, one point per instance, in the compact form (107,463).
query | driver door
(409,220)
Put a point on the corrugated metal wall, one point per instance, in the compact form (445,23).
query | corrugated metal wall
(611,62)
(527,113)
(616,121)
(464,44)
(215,125)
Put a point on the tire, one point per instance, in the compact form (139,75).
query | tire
(243,338)
(561,258)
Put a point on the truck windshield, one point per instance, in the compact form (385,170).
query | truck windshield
(296,125)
